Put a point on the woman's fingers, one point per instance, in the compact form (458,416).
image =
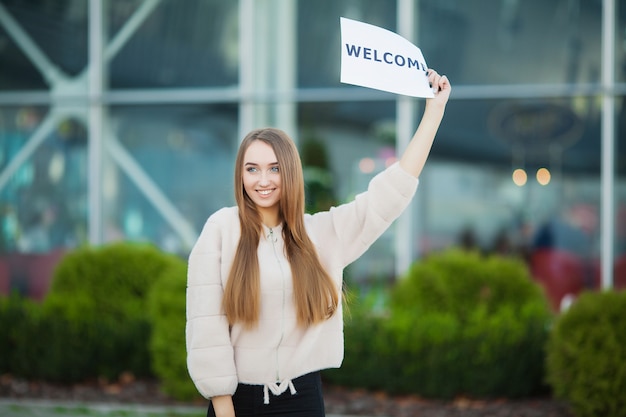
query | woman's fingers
(437,82)
(443,82)
(434,79)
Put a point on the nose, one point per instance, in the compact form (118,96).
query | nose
(265,180)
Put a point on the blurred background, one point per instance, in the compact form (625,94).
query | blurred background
(120,120)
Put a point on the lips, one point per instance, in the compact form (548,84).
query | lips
(265,192)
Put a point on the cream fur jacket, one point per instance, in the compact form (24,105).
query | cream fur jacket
(277,350)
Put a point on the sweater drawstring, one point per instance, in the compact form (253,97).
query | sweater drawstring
(277,389)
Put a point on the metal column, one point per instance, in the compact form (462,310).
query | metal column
(607,218)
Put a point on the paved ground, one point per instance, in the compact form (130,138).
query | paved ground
(40,408)
(399,408)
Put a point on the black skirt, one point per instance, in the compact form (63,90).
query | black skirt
(308,400)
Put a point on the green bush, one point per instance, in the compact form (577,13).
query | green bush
(13,318)
(586,355)
(31,341)
(457,324)
(486,325)
(368,361)
(167,304)
(109,281)
(37,343)
(94,321)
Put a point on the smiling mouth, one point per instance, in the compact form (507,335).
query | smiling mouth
(265,192)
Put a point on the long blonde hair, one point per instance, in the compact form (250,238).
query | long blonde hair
(316,296)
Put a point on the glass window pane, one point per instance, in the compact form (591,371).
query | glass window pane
(168,166)
(45,196)
(561,134)
(620,41)
(512,42)
(49,34)
(189,43)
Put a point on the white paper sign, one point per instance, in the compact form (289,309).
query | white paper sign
(377,58)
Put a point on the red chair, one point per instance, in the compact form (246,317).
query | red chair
(561,274)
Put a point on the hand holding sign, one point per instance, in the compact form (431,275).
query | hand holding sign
(377,58)
(441,88)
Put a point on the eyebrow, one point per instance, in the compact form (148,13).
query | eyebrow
(255,164)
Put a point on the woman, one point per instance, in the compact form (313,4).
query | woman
(264,311)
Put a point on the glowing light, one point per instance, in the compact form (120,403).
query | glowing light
(520,177)
(367,165)
(543,176)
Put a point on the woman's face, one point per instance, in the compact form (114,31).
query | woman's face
(261,178)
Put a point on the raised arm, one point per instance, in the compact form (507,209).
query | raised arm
(416,153)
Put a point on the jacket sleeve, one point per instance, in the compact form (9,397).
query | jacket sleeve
(356,225)
(210,359)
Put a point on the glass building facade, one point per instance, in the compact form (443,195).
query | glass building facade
(120,120)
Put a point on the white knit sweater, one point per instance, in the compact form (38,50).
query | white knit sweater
(278,350)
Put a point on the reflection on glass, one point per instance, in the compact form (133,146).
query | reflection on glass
(44,197)
(168,168)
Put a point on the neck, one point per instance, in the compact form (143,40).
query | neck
(271,224)
(270,219)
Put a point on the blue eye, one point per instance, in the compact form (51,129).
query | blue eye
(251,169)
(275,169)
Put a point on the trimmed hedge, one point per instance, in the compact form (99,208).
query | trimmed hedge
(14,316)
(457,324)
(586,356)
(36,345)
